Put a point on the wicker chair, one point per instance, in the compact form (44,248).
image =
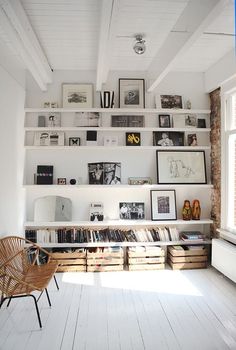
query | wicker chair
(20,271)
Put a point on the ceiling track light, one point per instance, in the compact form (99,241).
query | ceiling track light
(139,45)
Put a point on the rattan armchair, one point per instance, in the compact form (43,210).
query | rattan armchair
(20,271)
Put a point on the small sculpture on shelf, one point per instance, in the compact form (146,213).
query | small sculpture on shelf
(187,210)
(196,210)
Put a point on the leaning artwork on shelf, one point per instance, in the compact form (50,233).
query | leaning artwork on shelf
(50,138)
(192,139)
(140,181)
(77,95)
(53,120)
(123,121)
(96,211)
(163,205)
(181,167)
(87,119)
(171,101)
(106,173)
(131,211)
(131,93)
(165,138)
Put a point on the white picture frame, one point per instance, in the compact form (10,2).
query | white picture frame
(77,95)
(163,205)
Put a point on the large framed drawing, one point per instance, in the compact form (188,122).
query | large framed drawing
(77,95)
(163,205)
(181,167)
(131,93)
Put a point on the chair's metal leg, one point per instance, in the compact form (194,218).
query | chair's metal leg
(39,296)
(9,301)
(56,282)
(37,309)
(49,302)
(2,301)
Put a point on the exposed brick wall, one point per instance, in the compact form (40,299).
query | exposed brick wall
(215,139)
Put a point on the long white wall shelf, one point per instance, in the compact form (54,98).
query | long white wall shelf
(113,223)
(73,148)
(122,186)
(111,128)
(119,110)
(121,244)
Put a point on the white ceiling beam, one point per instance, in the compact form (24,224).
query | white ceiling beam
(194,20)
(18,28)
(107,17)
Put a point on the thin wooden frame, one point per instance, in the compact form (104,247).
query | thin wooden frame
(181,167)
(131,93)
(77,95)
(163,205)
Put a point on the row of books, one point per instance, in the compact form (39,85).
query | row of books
(83,235)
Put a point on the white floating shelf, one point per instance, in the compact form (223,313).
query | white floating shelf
(111,187)
(114,223)
(136,148)
(120,244)
(118,110)
(110,128)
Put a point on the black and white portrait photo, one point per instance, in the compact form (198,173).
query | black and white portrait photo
(106,173)
(131,211)
(163,204)
(166,138)
(164,121)
(96,211)
(96,173)
(131,93)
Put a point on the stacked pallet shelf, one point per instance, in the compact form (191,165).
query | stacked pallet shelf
(180,258)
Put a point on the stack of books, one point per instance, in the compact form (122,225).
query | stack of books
(192,236)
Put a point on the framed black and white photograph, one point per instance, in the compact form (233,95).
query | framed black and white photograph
(163,205)
(104,173)
(96,211)
(61,181)
(201,123)
(168,138)
(131,210)
(164,121)
(192,139)
(140,181)
(171,101)
(181,167)
(191,121)
(74,141)
(50,138)
(132,121)
(133,139)
(131,93)
(77,95)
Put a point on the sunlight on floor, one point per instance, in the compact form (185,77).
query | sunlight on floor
(163,282)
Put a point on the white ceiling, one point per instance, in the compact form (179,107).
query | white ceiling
(72,36)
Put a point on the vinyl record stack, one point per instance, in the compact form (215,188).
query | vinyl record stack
(105,259)
(146,258)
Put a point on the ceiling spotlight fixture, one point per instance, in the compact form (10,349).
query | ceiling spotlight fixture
(139,46)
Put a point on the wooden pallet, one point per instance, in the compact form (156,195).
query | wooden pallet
(150,253)
(105,261)
(102,268)
(71,268)
(68,262)
(191,252)
(187,265)
(146,267)
(187,259)
(67,255)
(147,260)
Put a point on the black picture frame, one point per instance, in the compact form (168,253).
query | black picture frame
(163,205)
(168,138)
(201,123)
(164,120)
(181,167)
(131,93)
(74,141)
(133,139)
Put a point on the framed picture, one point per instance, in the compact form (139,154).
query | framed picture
(61,181)
(87,119)
(77,95)
(190,121)
(132,121)
(50,138)
(96,211)
(181,167)
(201,123)
(131,93)
(74,141)
(192,139)
(133,139)
(168,138)
(171,101)
(140,181)
(131,211)
(164,120)
(104,173)
(163,205)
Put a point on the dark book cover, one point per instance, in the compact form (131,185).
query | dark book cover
(44,175)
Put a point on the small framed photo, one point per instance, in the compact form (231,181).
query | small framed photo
(132,121)
(192,139)
(190,121)
(77,95)
(131,211)
(171,101)
(140,181)
(168,138)
(104,173)
(131,93)
(163,205)
(181,167)
(51,138)
(201,123)
(74,141)
(61,181)
(133,139)
(96,211)
(164,121)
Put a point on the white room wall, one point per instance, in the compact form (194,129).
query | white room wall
(11,153)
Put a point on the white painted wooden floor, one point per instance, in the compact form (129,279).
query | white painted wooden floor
(151,310)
